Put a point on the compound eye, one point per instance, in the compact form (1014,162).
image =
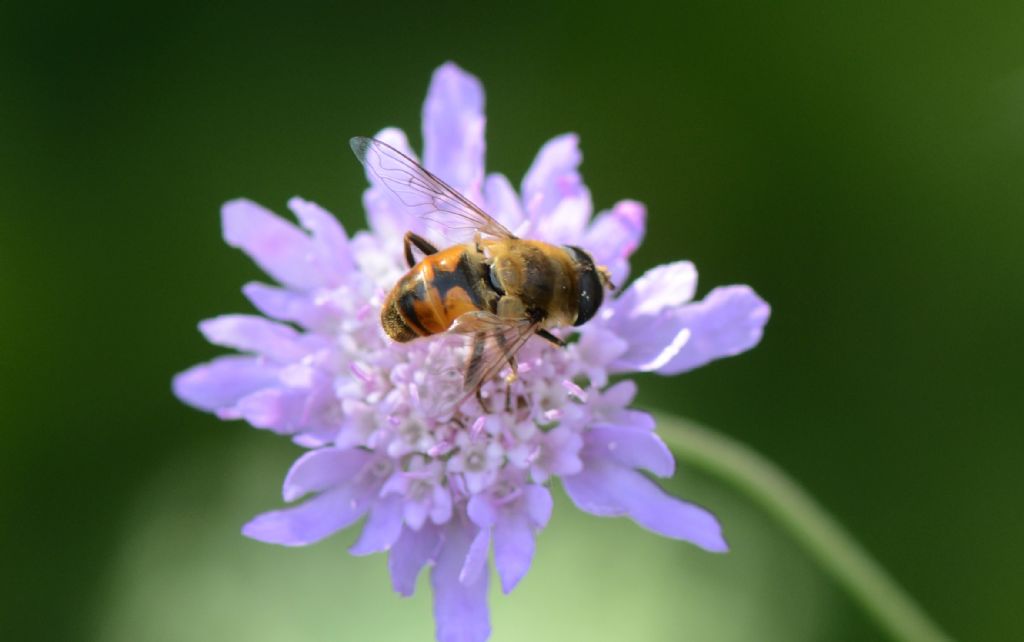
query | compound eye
(591,288)
(591,296)
(495,283)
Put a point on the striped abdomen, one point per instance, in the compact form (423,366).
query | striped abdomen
(435,292)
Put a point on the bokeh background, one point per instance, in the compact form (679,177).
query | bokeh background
(858,163)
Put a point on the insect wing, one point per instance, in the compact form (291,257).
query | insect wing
(495,342)
(423,193)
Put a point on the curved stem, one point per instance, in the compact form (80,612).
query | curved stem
(831,546)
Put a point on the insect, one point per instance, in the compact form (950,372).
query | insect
(496,288)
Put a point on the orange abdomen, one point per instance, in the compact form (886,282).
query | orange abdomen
(430,296)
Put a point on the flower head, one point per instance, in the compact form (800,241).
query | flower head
(443,483)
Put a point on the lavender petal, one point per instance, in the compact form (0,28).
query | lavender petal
(661,513)
(311,521)
(608,490)
(460,610)
(647,316)
(332,256)
(476,558)
(388,217)
(513,549)
(614,235)
(220,383)
(589,491)
(631,448)
(481,511)
(382,528)
(538,504)
(453,129)
(410,553)
(324,468)
(729,320)
(250,333)
(554,195)
(502,202)
(663,337)
(277,246)
(284,305)
(662,287)
(277,409)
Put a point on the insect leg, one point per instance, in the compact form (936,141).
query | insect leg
(544,334)
(480,400)
(476,361)
(422,244)
(503,344)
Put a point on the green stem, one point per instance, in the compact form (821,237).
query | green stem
(831,546)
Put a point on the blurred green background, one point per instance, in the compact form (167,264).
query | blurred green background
(858,163)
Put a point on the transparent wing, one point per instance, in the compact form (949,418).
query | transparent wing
(495,342)
(423,193)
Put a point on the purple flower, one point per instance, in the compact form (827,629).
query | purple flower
(440,488)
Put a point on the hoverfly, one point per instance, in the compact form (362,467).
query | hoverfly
(497,289)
